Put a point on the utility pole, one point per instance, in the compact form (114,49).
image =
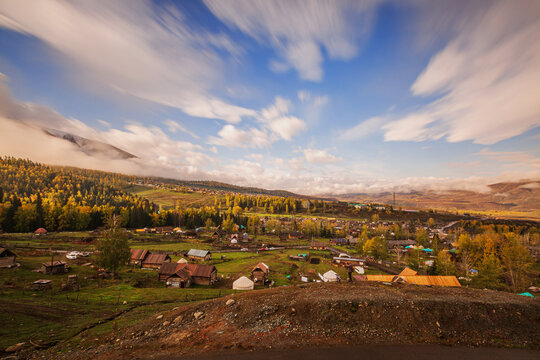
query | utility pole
(394,198)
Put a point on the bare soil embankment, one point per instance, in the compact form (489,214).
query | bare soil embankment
(327,315)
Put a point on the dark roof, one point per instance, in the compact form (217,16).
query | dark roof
(138,254)
(261,266)
(54,263)
(6,252)
(182,274)
(170,268)
(200,270)
(156,258)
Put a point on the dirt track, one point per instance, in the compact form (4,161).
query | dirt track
(376,352)
(323,315)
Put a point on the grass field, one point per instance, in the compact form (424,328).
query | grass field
(53,315)
(167,198)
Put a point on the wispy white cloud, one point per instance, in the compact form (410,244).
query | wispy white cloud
(300,30)
(174,126)
(132,48)
(363,129)
(487,79)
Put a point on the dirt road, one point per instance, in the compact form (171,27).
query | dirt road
(376,352)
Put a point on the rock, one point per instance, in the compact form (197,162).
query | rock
(165,323)
(175,308)
(230,302)
(178,319)
(198,315)
(439,325)
(125,302)
(15,348)
(159,317)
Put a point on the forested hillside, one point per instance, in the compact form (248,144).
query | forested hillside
(34,195)
(59,198)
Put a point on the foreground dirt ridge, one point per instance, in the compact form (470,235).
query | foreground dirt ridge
(326,315)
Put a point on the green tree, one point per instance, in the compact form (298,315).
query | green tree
(209,223)
(422,237)
(516,262)
(444,264)
(489,271)
(376,247)
(113,249)
(416,259)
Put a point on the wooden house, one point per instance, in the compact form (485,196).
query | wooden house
(179,279)
(202,274)
(154,261)
(7,258)
(54,267)
(315,245)
(260,273)
(138,256)
(201,255)
(183,275)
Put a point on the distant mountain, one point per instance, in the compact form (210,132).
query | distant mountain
(506,196)
(91,147)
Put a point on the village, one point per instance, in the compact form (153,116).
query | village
(170,264)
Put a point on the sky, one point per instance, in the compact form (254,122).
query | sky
(315,97)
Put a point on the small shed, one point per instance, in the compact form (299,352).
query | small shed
(182,261)
(7,258)
(260,272)
(243,283)
(42,284)
(54,267)
(202,255)
(40,231)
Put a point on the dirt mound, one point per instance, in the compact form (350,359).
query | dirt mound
(331,315)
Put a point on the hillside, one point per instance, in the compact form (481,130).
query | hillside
(508,199)
(323,315)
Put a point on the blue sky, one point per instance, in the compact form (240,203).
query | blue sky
(314,97)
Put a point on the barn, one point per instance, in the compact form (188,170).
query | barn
(7,258)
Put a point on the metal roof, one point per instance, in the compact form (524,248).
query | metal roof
(417,279)
(198,253)
(138,254)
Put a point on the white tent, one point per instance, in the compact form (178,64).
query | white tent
(243,283)
(331,275)
(182,261)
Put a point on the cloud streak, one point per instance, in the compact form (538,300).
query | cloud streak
(132,48)
(486,80)
(299,31)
